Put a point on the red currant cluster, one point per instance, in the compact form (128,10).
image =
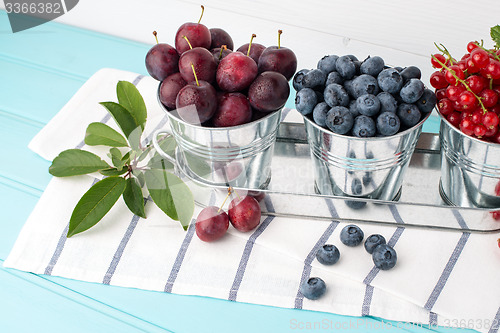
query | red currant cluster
(468,90)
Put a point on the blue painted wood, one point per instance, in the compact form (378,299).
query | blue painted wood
(40,70)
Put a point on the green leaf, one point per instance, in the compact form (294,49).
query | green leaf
(74,162)
(495,35)
(167,144)
(126,158)
(140,177)
(101,134)
(133,198)
(95,203)
(116,158)
(113,171)
(126,121)
(171,195)
(130,98)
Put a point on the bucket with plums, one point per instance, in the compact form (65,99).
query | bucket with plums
(363,120)
(223,106)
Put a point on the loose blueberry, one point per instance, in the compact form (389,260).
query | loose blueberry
(427,102)
(314,78)
(351,235)
(334,77)
(390,80)
(297,79)
(388,123)
(363,84)
(328,254)
(335,95)
(387,102)
(319,113)
(355,204)
(327,63)
(305,101)
(368,105)
(339,120)
(313,288)
(346,67)
(411,72)
(373,241)
(412,90)
(356,187)
(372,66)
(364,127)
(367,178)
(408,114)
(384,257)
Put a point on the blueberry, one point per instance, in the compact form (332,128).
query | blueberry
(411,72)
(297,79)
(372,66)
(352,57)
(387,102)
(399,69)
(390,80)
(356,187)
(412,90)
(373,241)
(348,86)
(327,63)
(339,120)
(384,257)
(334,77)
(367,178)
(313,288)
(364,127)
(346,67)
(319,113)
(408,114)
(368,105)
(305,101)
(388,123)
(355,204)
(353,108)
(335,95)
(314,78)
(328,254)
(427,102)
(364,84)
(351,235)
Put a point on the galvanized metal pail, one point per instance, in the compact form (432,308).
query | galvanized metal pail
(470,169)
(360,167)
(238,156)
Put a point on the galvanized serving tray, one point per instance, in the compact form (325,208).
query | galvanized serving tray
(292,192)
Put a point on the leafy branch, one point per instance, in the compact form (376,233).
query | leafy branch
(129,171)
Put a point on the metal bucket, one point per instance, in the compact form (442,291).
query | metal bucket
(238,156)
(360,167)
(470,169)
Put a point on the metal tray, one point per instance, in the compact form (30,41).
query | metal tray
(420,205)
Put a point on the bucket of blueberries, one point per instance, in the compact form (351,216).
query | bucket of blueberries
(363,120)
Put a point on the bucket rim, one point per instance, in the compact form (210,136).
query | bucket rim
(171,114)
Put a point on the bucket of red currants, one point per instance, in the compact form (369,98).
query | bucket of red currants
(363,120)
(223,106)
(468,103)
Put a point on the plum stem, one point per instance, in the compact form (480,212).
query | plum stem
(187,40)
(156,36)
(195,77)
(250,44)
(229,191)
(202,10)
(222,48)
(279,37)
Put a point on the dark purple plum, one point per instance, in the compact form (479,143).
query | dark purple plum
(196,103)
(220,37)
(220,53)
(236,72)
(269,91)
(162,61)
(203,62)
(278,59)
(233,109)
(211,224)
(244,213)
(255,50)
(197,34)
(169,89)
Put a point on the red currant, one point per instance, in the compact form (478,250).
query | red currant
(440,94)
(491,132)
(467,100)
(480,57)
(479,130)
(471,67)
(445,106)
(472,45)
(462,64)
(453,92)
(477,116)
(466,126)
(492,70)
(465,56)
(450,78)
(489,97)
(476,83)
(436,59)
(466,114)
(490,120)
(495,109)
(438,80)
(454,118)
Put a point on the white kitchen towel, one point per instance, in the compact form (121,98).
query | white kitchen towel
(445,278)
